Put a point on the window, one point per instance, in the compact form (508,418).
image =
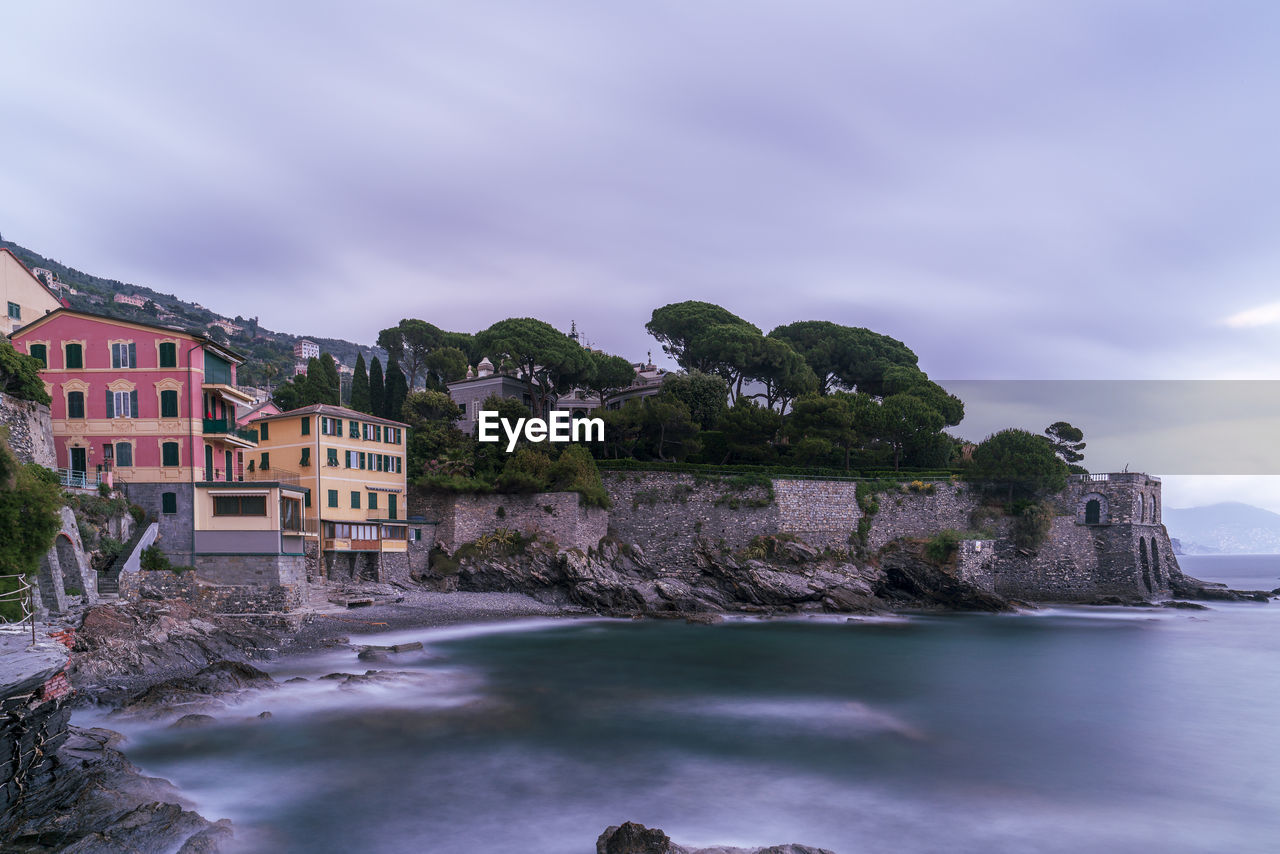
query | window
(306,426)
(417,534)
(122,404)
(75,404)
(266,461)
(239,505)
(354,432)
(168,503)
(168,355)
(306,498)
(373,501)
(394,532)
(124,354)
(262,431)
(15,311)
(41,352)
(168,404)
(290,514)
(74,358)
(331,426)
(124,454)
(169,454)
(306,457)
(333,498)
(332,456)
(373,432)
(355,500)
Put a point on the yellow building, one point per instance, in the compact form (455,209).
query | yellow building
(26,297)
(354,465)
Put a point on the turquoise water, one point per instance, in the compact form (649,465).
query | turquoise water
(1067,730)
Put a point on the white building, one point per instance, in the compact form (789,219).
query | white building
(304,350)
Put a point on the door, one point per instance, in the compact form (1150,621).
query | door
(226,459)
(79,462)
(208,462)
(391,506)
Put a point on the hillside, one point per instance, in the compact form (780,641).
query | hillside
(270,353)
(1226,528)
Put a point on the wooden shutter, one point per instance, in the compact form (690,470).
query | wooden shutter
(133,359)
(111,404)
(133,402)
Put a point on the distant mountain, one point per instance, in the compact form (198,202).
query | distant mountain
(270,354)
(1226,528)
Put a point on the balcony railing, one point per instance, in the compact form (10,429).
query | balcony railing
(271,473)
(227,427)
(380,514)
(307,525)
(72,479)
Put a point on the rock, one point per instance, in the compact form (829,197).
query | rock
(1186,606)
(910,575)
(372,655)
(264,716)
(192,721)
(200,689)
(633,838)
(407,647)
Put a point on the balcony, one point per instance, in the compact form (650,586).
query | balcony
(308,526)
(227,392)
(271,474)
(379,514)
(226,430)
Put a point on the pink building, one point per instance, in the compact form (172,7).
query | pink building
(131,299)
(155,409)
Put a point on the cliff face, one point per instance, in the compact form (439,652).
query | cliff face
(1105,540)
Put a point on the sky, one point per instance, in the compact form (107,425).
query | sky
(1019,191)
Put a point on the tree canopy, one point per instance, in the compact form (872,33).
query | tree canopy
(1019,463)
(20,375)
(549,361)
(683,330)
(845,357)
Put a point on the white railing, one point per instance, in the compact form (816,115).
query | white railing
(22,596)
(73,479)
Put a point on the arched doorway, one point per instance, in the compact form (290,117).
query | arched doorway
(1155,562)
(1092,512)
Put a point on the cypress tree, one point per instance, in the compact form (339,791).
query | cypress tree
(377,391)
(360,387)
(397,388)
(331,382)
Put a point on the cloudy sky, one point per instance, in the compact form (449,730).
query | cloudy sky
(1072,190)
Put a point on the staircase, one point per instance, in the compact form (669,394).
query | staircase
(109,578)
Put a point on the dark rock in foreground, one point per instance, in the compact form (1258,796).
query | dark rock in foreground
(98,802)
(632,838)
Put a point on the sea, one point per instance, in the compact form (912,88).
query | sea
(1067,729)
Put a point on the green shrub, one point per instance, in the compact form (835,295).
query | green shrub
(1031,525)
(441,563)
(155,560)
(941,547)
(139,515)
(104,490)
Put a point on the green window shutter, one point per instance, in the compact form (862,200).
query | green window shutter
(306,498)
(362,459)
(133,404)
(124,454)
(306,426)
(373,501)
(391,507)
(306,457)
(168,404)
(168,355)
(169,454)
(263,431)
(354,432)
(169,502)
(266,461)
(333,498)
(133,355)
(39,351)
(333,456)
(75,404)
(111,404)
(355,500)
(75,357)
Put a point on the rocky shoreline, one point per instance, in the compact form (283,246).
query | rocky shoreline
(158,660)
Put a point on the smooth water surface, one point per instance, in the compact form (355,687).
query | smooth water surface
(1066,730)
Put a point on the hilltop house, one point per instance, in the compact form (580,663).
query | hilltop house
(26,297)
(152,411)
(354,468)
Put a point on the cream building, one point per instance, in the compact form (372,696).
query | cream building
(26,297)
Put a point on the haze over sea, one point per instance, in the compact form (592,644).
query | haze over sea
(1062,730)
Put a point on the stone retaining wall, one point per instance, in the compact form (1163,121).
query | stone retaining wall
(30,430)
(556,516)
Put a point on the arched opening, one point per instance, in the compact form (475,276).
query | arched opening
(72,582)
(1092,512)
(1146,566)
(1155,562)
(1155,510)
(1142,507)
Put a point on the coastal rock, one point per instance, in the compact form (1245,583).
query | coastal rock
(98,802)
(193,721)
(910,576)
(633,838)
(204,689)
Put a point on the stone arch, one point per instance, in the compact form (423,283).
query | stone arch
(1155,563)
(1093,510)
(1155,509)
(1146,565)
(1142,507)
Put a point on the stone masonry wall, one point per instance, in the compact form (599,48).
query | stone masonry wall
(556,515)
(30,430)
(911,514)
(823,513)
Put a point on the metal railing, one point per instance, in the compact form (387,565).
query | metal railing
(26,603)
(225,427)
(270,473)
(73,479)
